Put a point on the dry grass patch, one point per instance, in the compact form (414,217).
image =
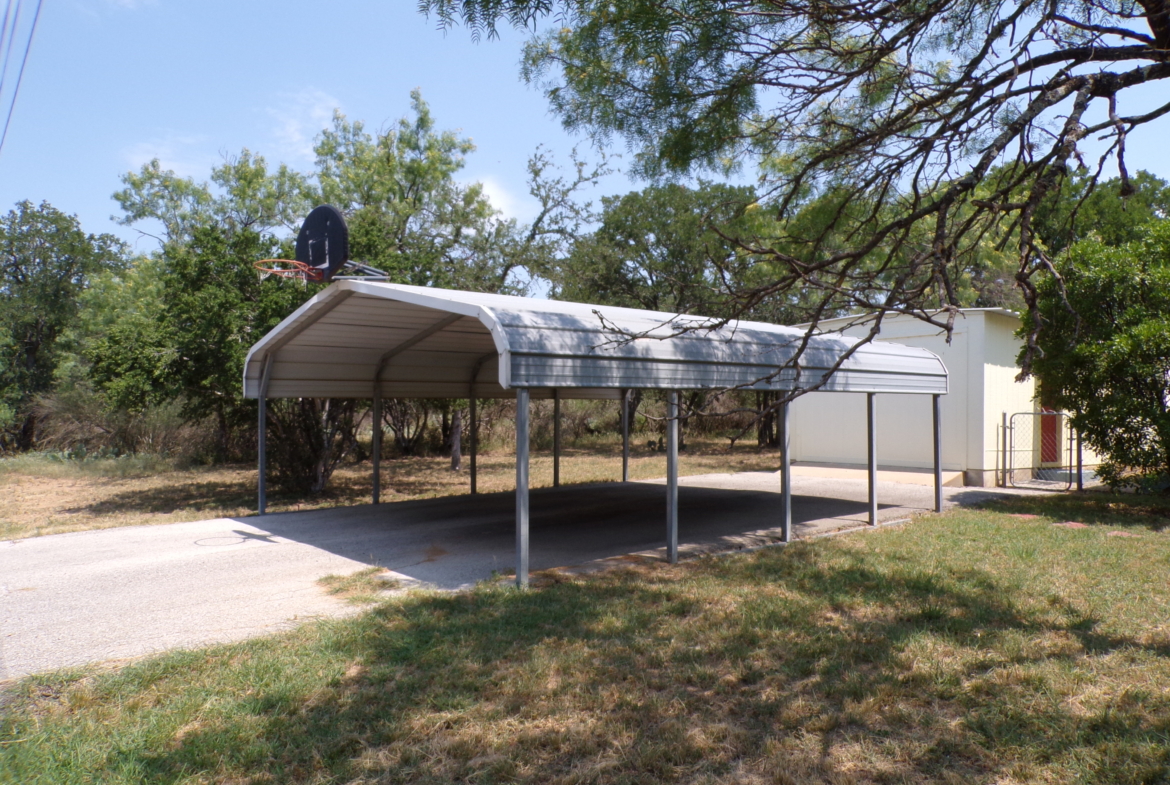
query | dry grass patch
(363,587)
(42,496)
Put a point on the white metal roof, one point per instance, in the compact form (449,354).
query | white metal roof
(430,343)
(840,323)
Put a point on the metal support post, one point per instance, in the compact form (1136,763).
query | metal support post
(625,435)
(474,439)
(938,500)
(871,454)
(672,477)
(556,438)
(785,476)
(262,455)
(262,439)
(522,487)
(376,449)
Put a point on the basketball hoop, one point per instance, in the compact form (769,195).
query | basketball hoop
(322,252)
(287,268)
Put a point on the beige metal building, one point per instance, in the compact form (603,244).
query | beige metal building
(828,431)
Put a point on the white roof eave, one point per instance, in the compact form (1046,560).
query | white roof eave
(561,345)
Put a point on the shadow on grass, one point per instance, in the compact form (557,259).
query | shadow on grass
(217,495)
(1097,508)
(816,663)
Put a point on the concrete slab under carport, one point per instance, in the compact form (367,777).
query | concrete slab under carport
(452,542)
(82,597)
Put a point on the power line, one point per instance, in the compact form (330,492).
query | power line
(8,49)
(4,26)
(20,75)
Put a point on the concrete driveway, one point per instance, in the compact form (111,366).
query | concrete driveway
(72,599)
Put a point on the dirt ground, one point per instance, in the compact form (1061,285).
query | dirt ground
(38,498)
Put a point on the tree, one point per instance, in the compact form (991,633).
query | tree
(1085,209)
(1106,353)
(658,249)
(910,108)
(211,307)
(46,262)
(407,214)
(248,197)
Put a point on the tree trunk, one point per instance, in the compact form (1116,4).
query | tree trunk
(28,433)
(224,436)
(456,439)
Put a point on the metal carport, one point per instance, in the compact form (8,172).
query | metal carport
(358,339)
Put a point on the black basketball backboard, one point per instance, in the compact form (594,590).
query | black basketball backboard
(323,242)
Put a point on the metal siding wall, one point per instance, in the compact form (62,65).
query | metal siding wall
(565,372)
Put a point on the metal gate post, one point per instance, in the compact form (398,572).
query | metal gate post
(522,487)
(672,477)
(1003,446)
(1080,464)
(872,456)
(785,476)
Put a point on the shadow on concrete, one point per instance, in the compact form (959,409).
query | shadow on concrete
(456,541)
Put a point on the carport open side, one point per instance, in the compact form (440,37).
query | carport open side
(358,339)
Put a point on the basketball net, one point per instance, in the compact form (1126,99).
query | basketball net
(287,268)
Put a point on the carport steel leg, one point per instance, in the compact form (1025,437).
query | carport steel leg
(556,438)
(625,435)
(785,477)
(938,501)
(522,487)
(377,446)
(672,477)
(262,438)
(474,439)
(871,453)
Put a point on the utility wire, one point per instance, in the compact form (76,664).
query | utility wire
(8,49)
(20,75)
(4,26)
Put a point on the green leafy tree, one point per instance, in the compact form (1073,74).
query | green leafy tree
(211,307)
(906,107)
(246,196)
(659,249)
(1112,211)
(407,214)
(190,347)
(46,263)
(1106,352)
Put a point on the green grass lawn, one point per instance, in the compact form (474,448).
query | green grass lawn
(975,646)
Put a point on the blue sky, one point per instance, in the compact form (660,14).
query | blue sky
(113,83)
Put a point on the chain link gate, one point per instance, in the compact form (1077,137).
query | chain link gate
(1040,451)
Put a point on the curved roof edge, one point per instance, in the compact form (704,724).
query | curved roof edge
(415,341)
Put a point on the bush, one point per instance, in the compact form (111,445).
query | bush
(1106,352)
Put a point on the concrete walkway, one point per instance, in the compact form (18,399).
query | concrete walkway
(73,599)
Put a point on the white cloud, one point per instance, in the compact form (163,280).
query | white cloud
(183,154)
(300,117)
(522,208)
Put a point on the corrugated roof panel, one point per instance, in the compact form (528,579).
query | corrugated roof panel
(332,347)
